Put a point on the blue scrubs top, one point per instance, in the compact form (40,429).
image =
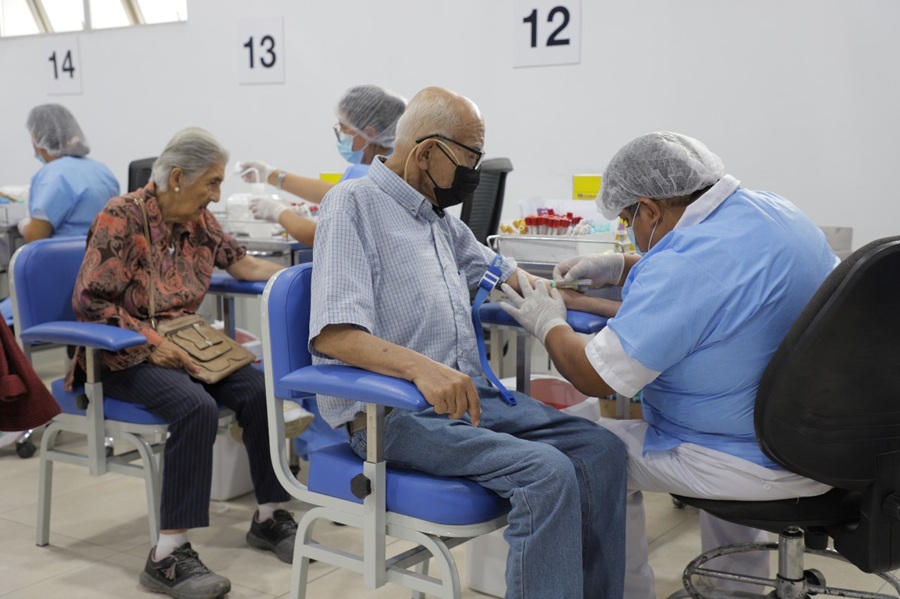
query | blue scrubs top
(355,171)
(69,192)
(708,306)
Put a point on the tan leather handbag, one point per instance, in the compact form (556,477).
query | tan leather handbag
(216,354)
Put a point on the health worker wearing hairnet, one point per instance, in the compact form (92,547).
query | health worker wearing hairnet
(722,274)
(367,117)
(69,189)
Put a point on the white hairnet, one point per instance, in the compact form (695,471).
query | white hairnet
(657,166)
(54,129)
(372,106)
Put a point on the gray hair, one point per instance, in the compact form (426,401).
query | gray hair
(55,130)
(430,111)
(194,151)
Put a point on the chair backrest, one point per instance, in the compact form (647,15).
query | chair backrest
(828,405)
(482,214)
(139,172)
(286,301)
(43,277)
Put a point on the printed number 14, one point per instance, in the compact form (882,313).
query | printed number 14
(67,66)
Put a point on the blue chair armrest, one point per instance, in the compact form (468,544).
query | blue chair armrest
(224,283)
(581,322)
(356,384)
(88,334)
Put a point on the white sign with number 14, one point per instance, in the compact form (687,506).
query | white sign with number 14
(63,65)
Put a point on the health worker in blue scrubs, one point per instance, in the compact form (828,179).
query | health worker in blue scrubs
(70,189)
(367,117)
(720,276)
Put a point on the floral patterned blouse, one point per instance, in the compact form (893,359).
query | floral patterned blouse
(113,283)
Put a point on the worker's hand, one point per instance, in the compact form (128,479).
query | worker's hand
(450,392)
(169,355)
(602,270)
(267,209)
(538,309)
(22,224)
(254,171)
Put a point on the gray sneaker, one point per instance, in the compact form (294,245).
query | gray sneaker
(183,576)
(276,535)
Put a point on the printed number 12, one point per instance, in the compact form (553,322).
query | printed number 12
(553,40)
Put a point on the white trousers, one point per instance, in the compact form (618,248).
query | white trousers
(696,471)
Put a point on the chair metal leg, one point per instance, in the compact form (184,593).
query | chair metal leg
(421,568)
(45,483)
(792,580)
(152,481)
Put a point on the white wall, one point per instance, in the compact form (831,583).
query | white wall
(798,97)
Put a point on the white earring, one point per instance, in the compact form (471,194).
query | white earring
(177,189)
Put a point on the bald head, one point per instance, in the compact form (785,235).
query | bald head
(436,110)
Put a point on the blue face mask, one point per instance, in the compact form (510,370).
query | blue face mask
(345,147)
(40,157)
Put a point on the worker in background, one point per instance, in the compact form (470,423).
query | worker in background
(69,189)
(367,116)
(722,274)
(366,122)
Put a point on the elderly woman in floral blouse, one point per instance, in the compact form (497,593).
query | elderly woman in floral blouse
(113,288)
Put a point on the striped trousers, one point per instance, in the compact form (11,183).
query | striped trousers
(192,411)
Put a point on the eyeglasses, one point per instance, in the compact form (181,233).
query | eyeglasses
(478,153)
(339,131)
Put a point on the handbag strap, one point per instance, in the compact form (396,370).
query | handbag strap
(140,202)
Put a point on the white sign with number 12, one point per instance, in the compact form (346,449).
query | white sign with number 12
(62,63)
(546,32)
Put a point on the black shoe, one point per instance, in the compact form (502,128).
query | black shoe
(276,535)
(182,575)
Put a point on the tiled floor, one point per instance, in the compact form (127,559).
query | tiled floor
(99,542)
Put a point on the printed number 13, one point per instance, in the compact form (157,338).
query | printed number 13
(267,44)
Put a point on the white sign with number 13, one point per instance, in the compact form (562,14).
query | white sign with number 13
(546,32)
(261,50)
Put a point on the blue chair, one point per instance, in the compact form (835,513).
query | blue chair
(43,277)
(434,513)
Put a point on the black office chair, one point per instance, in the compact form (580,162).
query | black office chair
(482,214)
(139,173)
(828,408)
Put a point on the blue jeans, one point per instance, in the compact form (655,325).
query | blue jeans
(564,476)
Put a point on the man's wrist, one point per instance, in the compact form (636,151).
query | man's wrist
(279,181)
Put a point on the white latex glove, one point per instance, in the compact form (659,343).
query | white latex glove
(22,224)
(266,209)
(601,269)
(247,172)
(538,309)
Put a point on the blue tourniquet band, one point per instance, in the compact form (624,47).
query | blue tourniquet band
(488,282)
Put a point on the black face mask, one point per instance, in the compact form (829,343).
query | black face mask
(465,181)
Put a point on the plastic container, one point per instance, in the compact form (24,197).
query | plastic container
(231,470)
(239,220)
